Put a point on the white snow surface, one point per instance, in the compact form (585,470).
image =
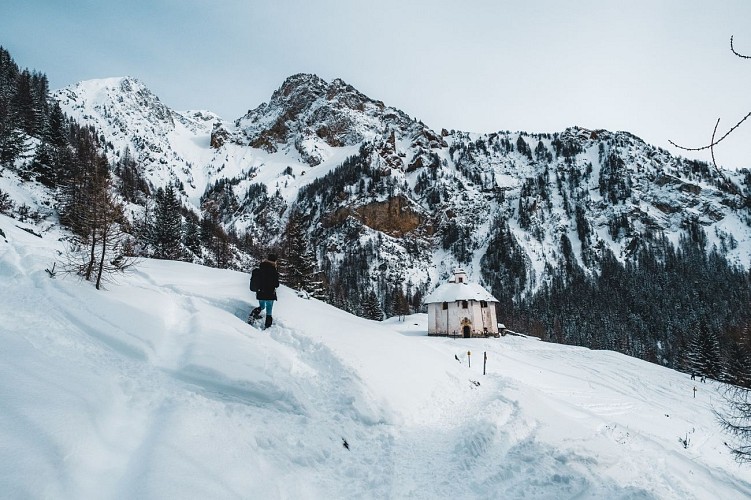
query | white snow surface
(157,388)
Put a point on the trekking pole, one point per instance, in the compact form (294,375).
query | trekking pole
(484,362)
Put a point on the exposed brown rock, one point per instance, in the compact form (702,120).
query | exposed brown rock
(219,136)
(394,217)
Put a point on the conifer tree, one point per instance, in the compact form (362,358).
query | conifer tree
(111,254)
(166,226)
(739,365)
(12,140)
(299,267)
(371,308)
(399,302)
(704,356)
(133,187)
(192,234)
(24,105)
(43,165)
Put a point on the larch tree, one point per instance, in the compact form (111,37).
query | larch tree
(94,216)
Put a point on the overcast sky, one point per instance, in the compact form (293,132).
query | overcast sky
(661,69)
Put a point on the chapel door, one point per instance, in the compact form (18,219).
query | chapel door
(466,330)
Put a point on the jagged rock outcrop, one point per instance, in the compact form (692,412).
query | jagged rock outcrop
(310,115)
(219,135)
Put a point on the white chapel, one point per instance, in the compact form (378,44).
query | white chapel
(462,309)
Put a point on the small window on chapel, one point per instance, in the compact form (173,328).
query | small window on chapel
(483,303)
(465,304)
(445,306)
(461,280)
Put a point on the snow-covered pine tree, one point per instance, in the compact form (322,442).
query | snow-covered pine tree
(191,234)
(27,106)
(704,356)
(12,140)
(739,365)
(299,266)
(53,158)
(166,225)
(6,204)
(371,307)
(133,186)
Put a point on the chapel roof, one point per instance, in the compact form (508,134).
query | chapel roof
(450,292)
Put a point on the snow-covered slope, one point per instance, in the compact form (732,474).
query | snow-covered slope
(169,145)
(157,388)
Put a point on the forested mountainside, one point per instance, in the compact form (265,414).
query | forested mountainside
(587,237)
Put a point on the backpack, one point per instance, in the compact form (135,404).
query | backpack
(255,280)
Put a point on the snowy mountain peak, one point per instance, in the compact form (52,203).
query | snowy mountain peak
(300,85)
(113,96)
(311,115)
(301,91)
(166,144)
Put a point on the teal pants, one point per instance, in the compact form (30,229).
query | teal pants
(266,304)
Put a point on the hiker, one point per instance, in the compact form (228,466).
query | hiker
(266,280)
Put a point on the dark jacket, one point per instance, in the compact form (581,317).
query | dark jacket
(268,281)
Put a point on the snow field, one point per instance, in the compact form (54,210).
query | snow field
(157,388)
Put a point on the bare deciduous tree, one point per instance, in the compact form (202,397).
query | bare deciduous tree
(95,218)
(735,418)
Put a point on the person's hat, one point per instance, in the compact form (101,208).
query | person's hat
(271,257)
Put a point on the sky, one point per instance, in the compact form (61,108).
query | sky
(660,69)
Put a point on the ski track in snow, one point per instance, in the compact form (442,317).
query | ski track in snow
(157,388)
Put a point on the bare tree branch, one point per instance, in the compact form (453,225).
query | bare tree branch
(735,419)
(710,146)
(736,53)
(713,142)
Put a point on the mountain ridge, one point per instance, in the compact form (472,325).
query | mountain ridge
(308,119)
